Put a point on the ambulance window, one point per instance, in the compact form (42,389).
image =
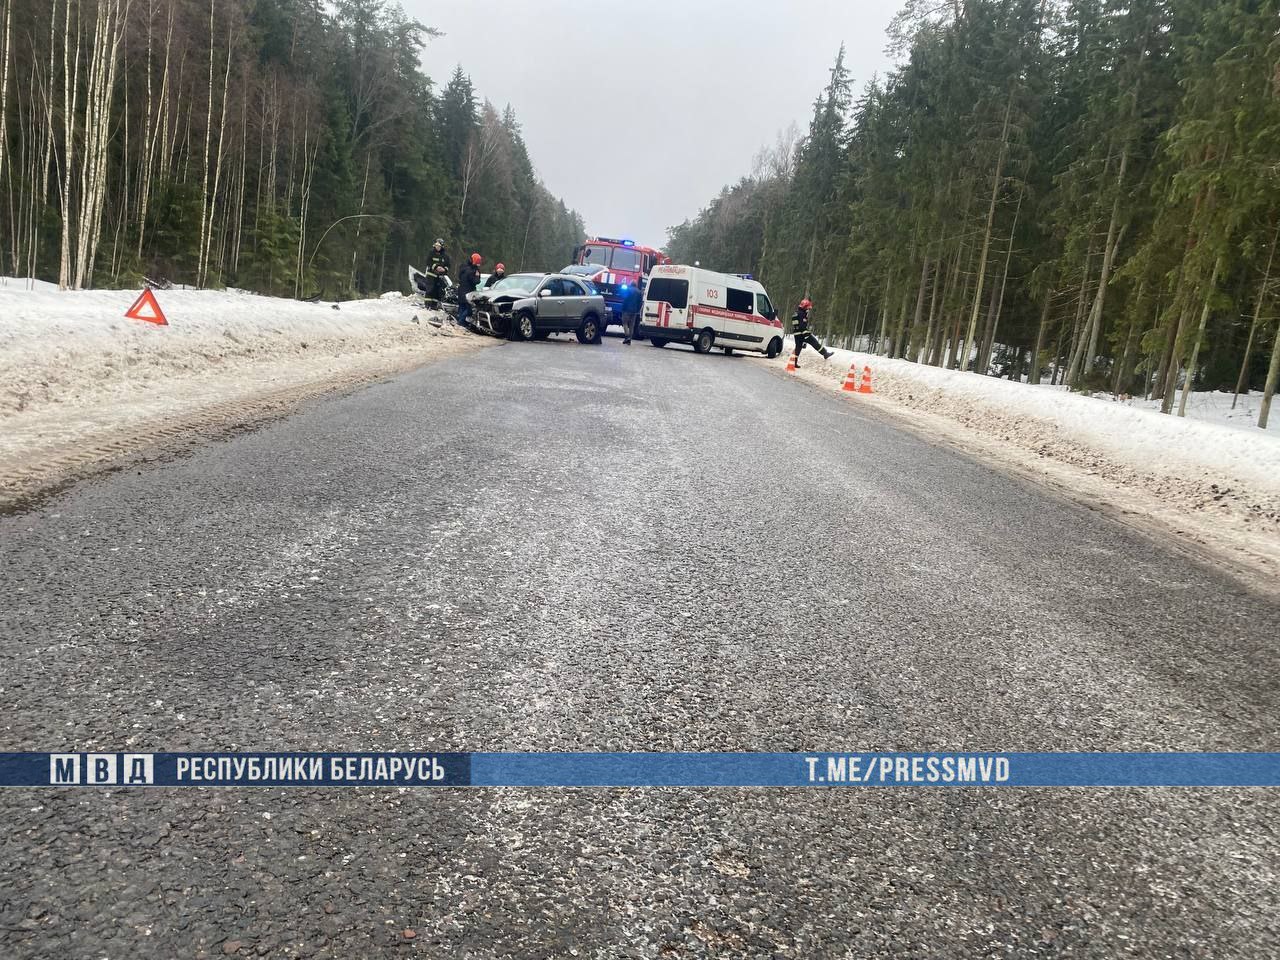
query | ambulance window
(674,292)
(739,301)
(624,258)
(763,306)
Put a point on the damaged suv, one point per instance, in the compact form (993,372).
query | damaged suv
(532,306)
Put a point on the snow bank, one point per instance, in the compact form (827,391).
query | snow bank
(1133,432)
(76,347)
(80,385)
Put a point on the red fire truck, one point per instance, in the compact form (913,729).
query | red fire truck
(617,265)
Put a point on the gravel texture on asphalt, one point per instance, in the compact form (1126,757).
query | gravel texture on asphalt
(551,546)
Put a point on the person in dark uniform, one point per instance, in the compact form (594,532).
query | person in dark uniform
(800,327)
(632,301)
(438,267)
(468,281)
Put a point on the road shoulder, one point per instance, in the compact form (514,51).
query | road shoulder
(1229,525)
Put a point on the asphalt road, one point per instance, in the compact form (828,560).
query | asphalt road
(552,547)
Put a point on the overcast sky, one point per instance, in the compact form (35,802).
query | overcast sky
(637,114)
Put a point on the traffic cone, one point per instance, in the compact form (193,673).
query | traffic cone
(866,381)
(851,379)
(791,363)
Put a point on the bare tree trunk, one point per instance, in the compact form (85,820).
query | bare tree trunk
(207,231)
(918,317)
(157,131)
(994,321)
(1079,336)
(70,98)
(1124,369)
(1257,317)
(953,359)
(6,56)
(926,352)
(1273,376)
(1114,236)
(1033,377)
(997,180)
(1195,350)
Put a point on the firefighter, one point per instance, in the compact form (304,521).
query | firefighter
(468,281)
(631,303)
(800,327)
(438,268)
(499,272)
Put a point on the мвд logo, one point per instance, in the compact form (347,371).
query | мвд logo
(101,769)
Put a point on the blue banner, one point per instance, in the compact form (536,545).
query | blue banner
(363,769)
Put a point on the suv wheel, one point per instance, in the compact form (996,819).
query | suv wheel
(589,332)
(523,327)
(706,339)
(658,341)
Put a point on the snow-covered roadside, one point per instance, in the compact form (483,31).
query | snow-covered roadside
(1214,486)
(79,383)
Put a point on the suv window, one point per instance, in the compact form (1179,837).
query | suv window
(563,287)
(739,301)
(764,307)
(674,292)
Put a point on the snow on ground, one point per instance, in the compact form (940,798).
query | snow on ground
(17,283)
(74,371)
(1208,406)
(1212,478)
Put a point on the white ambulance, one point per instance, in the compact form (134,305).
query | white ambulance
(690,305)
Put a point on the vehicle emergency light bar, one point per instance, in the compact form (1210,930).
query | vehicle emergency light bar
(621,243)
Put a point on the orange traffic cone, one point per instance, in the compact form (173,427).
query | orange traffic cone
(851,379)
(791,363)
(866,381)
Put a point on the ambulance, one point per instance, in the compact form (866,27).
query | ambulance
(709,310)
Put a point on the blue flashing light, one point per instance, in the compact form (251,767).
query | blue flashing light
(628,243)
(623,287)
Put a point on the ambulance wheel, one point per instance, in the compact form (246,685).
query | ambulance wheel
(522,328)
(728,351)
(705,340)
(775,348)
(589,332)
(657,341)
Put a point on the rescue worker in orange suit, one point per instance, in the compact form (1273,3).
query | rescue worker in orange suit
(800,327)
(468,281)
(499,272)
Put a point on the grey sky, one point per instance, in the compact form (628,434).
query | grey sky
(586,80)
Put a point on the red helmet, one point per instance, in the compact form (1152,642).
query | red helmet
(477,259)
(806,304)
(502,267)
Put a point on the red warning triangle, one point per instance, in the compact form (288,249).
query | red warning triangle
(147,308)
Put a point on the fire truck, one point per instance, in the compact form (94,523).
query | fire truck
(618,264)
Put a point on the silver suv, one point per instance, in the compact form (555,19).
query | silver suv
(532,306)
